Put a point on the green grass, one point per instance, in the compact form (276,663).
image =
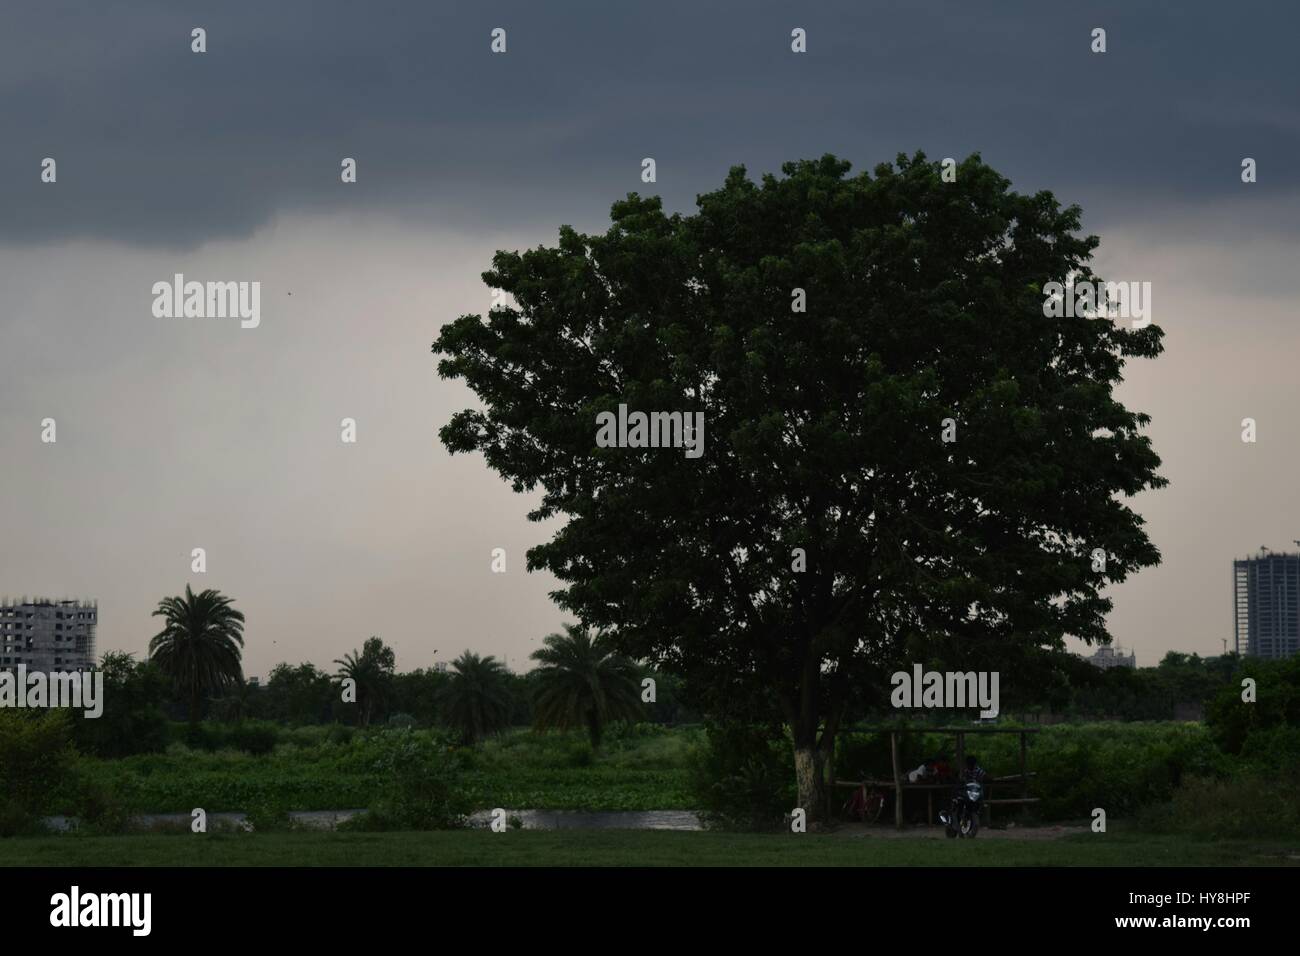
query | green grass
(630,848)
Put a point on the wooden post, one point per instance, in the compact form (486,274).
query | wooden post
(898,781)
(1024,778)
(830,784)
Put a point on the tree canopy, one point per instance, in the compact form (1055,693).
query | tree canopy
(582,682)
(200,645)
(825,429)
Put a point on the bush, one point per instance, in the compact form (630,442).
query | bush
(579,754)
(98,807)
(423,791)
(36,759)
(1249,805)
(340,734)
(1272,749)
(742,778)
(18,820)
(256,737)
(267,814)
(1277,703)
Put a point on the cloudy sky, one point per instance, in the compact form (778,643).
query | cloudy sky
(175,434)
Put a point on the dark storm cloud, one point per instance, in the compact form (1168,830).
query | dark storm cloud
(160,146)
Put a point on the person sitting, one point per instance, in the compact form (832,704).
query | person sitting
(973,773)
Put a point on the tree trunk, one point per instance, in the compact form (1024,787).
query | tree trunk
(809,766)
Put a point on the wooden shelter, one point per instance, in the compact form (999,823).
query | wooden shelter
(1018,781)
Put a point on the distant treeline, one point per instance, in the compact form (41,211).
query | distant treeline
(140,700)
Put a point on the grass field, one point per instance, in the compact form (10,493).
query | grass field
(631,848)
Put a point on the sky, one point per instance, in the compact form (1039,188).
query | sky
(174,434)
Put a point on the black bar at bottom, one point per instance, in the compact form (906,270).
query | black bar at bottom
(334,905)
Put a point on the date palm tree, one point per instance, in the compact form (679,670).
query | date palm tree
(476,699)
(372,674)
(200,644)
(582,682)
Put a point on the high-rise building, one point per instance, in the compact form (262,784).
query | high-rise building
(1108,657)
(48,636)
(1266,605)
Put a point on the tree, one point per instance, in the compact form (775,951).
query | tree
(372,671)
(301,694)
(917,467)
(1275,707)
(584,682)
(133,720)
(200,645)
(416,693)
(240,700)
(476,699)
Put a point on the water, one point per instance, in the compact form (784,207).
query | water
(599,820)
(531,820)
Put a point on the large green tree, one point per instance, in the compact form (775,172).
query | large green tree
(582,681)
(829,529)
(200,644)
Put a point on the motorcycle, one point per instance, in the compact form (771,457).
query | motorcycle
(963,817)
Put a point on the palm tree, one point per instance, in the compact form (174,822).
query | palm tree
(199,647)
(582,682)
(476,698)
(237,702)
(372,673)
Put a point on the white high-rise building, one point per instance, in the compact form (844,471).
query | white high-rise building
(1108,657)
(48,636)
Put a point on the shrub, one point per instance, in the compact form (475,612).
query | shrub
(742,778)
(1277,704)
(579,754)
(36,758)
(98,806)
(1247,805)
(1272,749)
(267,814)
(340,734)
(423,791)
(256,737)
(18,820)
